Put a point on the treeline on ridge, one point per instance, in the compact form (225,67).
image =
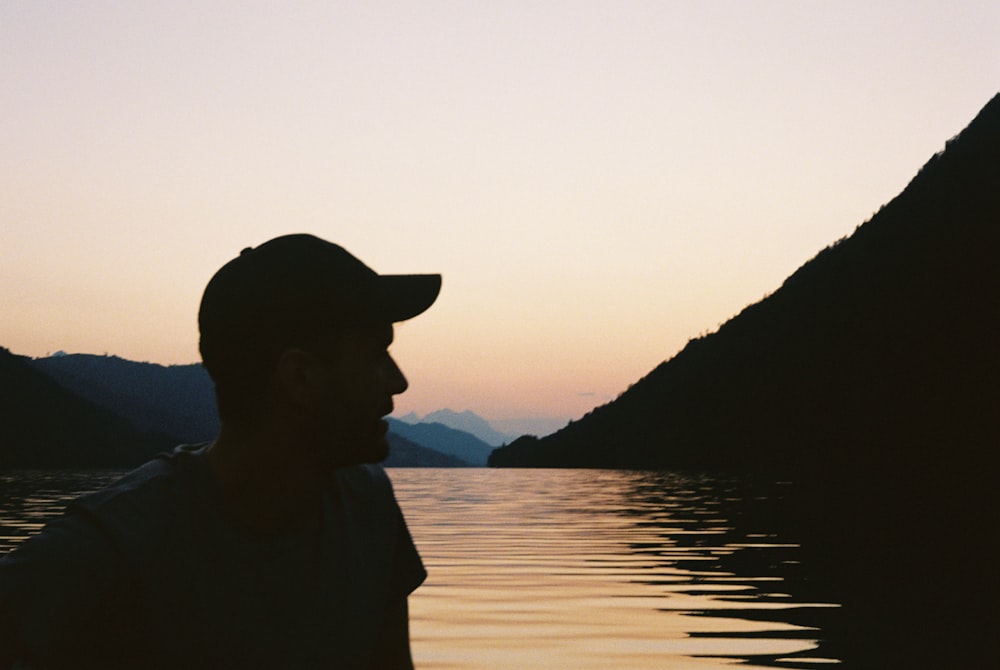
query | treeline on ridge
(879,351)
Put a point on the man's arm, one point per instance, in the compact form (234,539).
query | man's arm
(64,598)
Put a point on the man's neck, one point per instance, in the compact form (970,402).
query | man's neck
(266,479)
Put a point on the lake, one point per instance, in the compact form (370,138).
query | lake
(572,568)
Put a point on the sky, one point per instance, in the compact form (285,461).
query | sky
(598,182)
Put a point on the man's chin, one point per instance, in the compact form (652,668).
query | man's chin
(378,450)
(372,448)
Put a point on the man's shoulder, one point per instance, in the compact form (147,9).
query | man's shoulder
(365,480)
(161,485)
(364,492)
(153,478)
(370,473)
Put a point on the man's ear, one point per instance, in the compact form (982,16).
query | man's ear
(299,377)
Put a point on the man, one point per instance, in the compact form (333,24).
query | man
(278,545)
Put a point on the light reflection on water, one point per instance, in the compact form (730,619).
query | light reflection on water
(568,568)
(29,498)
(598,569)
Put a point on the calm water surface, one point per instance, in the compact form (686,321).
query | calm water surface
(571,568)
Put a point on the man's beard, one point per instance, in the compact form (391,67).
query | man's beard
(363,444)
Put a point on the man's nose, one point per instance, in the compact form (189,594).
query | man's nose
(397,381)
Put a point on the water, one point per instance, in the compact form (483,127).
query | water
(573,568)
(29,498)
(598,569)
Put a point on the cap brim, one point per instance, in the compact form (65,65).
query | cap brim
(406,296)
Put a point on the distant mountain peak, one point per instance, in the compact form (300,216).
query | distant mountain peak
(412,417)
(466,421)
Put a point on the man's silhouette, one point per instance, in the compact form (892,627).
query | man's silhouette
(278,545)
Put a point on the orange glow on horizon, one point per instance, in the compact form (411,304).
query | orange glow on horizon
(597,187)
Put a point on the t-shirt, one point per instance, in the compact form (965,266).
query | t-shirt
(150,572)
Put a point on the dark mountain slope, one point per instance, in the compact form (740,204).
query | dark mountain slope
(404,453)
(871,382)
(459,444)
(880,351)
(43,425)
(176,400)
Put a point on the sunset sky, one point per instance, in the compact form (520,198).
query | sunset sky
(598,182)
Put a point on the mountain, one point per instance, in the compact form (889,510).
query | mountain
(43,425)
(404,453)
(446,440)
(176,400)
(530,425)
(868,382)
(879,352)
(467,421)
(496,431)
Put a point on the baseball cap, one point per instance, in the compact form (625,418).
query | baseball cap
(290,287)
